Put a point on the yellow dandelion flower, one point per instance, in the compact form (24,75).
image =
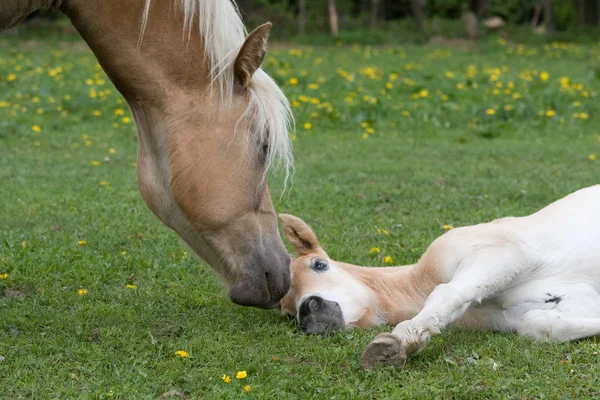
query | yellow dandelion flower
(387,259)
(389,85)
(119,111)
(370,130)
(112,151)
(182,354)
(508,107)
(226,378)
(550,113)
(11,77)
(82,243)
(445,97)
(97,113)
(448,227)
(313,86)
(95,163)
(293,81)
(490,111)
(423,93)
(383,231)
(82,292)
(36,128)
(592,157)
(247,388)
(584,115)
(103,183)
(130,286)
(123,253)
(307,125)
(126,120)
(241,374)
(544,76)
(4,276)
(374,251)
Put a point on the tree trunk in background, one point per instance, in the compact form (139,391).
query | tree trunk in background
(579,6)
(477,7)
(374,13)
(591,12)
(537,13)
(549,18)
(417,11)
(302,17)
(333,18)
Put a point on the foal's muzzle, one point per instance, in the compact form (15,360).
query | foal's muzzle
(319,316)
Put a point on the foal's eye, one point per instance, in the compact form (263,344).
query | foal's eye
(320,265)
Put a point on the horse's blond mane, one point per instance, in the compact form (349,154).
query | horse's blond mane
(268,110)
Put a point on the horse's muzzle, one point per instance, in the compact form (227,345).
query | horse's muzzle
(264,282)
(319,316)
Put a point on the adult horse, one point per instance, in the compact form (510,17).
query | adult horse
(210,122)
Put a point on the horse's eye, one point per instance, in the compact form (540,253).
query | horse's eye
(320,265)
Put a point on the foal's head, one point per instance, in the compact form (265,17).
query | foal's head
(325,295)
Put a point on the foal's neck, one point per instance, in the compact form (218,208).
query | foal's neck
(400,291)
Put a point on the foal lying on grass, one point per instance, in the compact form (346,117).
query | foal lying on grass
(537,275)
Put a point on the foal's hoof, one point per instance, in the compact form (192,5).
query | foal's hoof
(385,349)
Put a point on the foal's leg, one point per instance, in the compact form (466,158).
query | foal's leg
(478,276)
(574,314)
(555,326)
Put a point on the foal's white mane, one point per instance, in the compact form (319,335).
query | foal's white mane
(268,110)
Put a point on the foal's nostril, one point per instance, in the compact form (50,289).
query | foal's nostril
(319,316)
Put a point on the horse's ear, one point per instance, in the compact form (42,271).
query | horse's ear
(252,53)
(299,234)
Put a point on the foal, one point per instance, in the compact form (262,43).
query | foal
(537,275)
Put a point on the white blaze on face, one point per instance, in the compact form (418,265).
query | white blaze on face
(335,284)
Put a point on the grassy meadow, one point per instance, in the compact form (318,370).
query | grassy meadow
(394,144)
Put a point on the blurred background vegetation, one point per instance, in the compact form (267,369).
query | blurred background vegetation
(394,21)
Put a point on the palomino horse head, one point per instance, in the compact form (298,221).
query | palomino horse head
(210,123)
(325,295)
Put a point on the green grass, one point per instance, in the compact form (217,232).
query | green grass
(429,162)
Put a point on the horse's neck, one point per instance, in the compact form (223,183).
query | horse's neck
(12,12)
(150,71)
(400,291)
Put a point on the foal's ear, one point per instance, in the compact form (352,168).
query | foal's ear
(252,53)
(299,234)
